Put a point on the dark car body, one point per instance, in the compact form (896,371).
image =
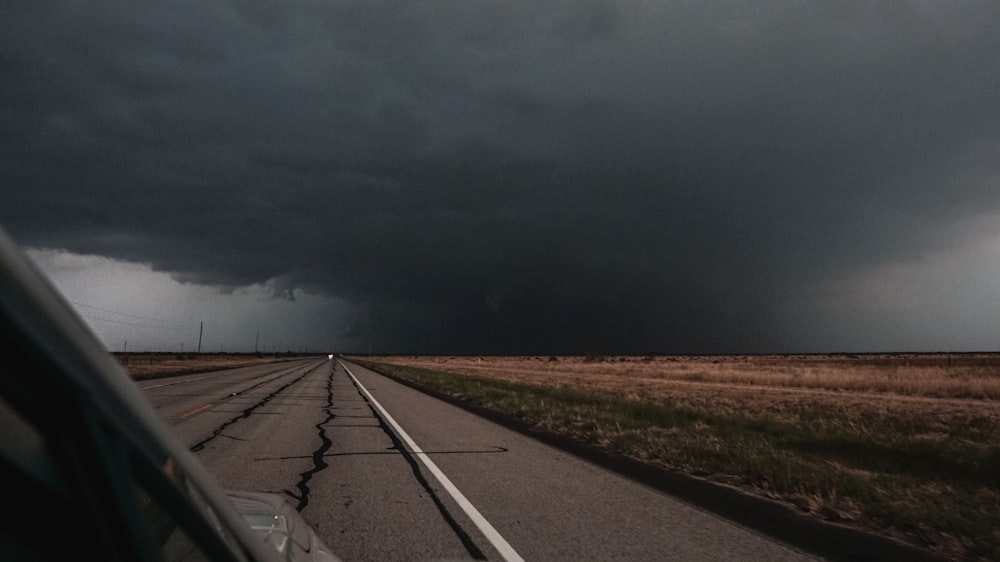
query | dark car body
(89,469)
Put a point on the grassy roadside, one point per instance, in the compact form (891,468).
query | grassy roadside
(145,366)
(901,476)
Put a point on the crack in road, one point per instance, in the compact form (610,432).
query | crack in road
(261,383)
(247,412)
(493,449)
(318,456)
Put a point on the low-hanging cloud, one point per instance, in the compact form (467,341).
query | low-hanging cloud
(506,176)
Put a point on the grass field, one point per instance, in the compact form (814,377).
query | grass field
(904,445)
(141,366)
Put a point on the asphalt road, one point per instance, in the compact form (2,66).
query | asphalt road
(384,472)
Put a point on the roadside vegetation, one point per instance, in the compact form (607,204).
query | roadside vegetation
(904,446)
(151,365)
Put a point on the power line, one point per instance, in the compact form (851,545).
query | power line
(113,311)
(162,325)
(123,323)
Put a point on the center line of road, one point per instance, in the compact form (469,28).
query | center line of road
(492,535)
(190,413)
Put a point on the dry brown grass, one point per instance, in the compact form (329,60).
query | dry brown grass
(905,410)
(141,366)
(920,375)
(852,390)
(849,388)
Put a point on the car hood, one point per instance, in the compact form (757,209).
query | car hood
(280,526)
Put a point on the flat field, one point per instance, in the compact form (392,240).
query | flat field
(142,366)
(904,445)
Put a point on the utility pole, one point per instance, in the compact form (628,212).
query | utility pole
(201,328)
(256,341)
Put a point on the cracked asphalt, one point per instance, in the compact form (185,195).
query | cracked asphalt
(306,429)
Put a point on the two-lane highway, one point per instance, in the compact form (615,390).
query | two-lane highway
(387,473)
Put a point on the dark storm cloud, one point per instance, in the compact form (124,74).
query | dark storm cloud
(500,176)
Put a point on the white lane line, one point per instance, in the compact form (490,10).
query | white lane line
(492,535)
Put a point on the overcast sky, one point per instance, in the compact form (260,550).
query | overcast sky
(510,177)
